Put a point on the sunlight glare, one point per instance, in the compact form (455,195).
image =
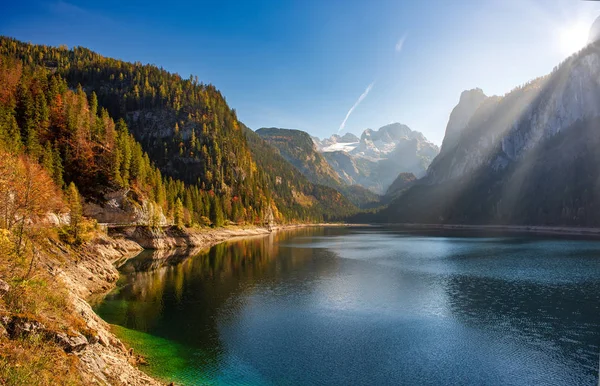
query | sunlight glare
(573,38)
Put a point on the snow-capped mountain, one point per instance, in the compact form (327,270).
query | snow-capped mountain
(347,143)
(379,156)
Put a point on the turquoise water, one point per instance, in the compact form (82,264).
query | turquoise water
(366,306)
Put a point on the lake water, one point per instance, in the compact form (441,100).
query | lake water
(366,306)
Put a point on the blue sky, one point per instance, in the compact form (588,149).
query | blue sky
(304,64)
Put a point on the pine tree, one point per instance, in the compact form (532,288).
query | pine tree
(76,212)
(10,136)
(216,212)
(178,214)
(57,172)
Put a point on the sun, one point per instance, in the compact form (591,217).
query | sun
(573,38)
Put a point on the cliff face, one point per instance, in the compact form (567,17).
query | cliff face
(529,157)
(503,129)
(461,115)
(124,207)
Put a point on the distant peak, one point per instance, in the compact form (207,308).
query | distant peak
(473,94)
(349,137)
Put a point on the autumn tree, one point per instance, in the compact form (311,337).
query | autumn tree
(27,194)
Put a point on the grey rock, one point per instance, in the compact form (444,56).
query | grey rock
(71,343)
(4,287)
(19,326)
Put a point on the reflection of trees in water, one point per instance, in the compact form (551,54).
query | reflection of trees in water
(179,295)
(562,316)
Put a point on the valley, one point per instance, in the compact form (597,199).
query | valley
(148,235)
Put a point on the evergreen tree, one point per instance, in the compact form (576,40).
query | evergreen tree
(76,212)
(216,212)
(178,214)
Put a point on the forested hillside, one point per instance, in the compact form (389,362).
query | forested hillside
(105,125)
(292,191)
(298,148)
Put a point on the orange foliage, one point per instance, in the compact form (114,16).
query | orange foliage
(9,78)
(27,192)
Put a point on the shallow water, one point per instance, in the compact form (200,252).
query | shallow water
(366,306)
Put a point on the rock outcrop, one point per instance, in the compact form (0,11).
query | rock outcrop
(173,237)
(124,207)
(103,358)
(469,102)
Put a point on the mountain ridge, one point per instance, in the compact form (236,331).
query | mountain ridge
(377,158)
(298,148)
(184,127)
(526,158)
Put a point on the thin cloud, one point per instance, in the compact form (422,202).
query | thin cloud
(400,43)
(360,99)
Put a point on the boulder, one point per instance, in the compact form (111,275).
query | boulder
(71,343)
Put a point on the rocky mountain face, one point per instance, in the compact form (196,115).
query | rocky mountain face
(400,184)
(529,157)
(298,148)
(461,115)
(375,160)
(503,129)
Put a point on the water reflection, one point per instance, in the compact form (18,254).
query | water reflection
(370,306)
(162,287)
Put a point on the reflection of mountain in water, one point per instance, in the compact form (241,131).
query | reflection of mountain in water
(161,285)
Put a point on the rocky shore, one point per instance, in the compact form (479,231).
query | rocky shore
(103,358)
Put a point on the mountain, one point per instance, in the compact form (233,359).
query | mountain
(138,132)
(347,142)
(460,116)
(529,157)
(400,184)
(375,159)
(298,148)
(293,193)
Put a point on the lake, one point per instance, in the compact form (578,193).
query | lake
(365,306)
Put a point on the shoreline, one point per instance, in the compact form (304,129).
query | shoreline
(111,360)
(108,360)
(533,229)
(175,238)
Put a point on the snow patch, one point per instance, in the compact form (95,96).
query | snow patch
(341,146)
